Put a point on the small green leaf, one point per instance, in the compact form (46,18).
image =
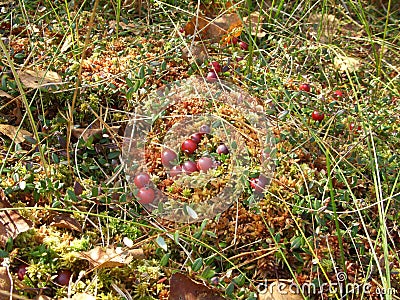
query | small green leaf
(114,154)
(239,280)
(164,260)
(141,72)
(208,273)
(176,237)
(197,264)
(229,289)
(161,242)
(72,195)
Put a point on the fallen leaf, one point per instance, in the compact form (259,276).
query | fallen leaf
(5,284)
(11,222)
(132,27)
(254,23)
(325,27)
(214,29)
(67,44)
(5,95)
(38,78)
(13,132)
(100,257)
(279,291)
(196,52)
(184,288)
(83,296)
(346,63)
(86,133)
(65,221)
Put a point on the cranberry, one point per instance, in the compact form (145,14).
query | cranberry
(222,149)
(63,277)
(317,116)
(175,171)
(146,195)
(338,94)
(305,87)
(352,127)
(215,66)
(243,45)
(189,146)
(212,76)
(205,129)
(204,164)
(168,157)
(21,271)
(141,180)
(239,58)
(234,40)
(189,167)
(196,137)
(259,183)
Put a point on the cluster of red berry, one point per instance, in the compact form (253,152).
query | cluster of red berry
(169,159)
(216,67)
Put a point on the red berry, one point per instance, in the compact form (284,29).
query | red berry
(189,167)
(146,195)
(63,277)
(352,127)
(182,30)
(317,116)
(258,184)
(21,271)
(222,149)
(338,94)
(243,45)
(196,137)
(204,164)
(239,58)
(212,76)
(189,146)
(305,87)
(205,129)
(142,179)
(168,157)
(234,40)
(215,66)
(175,171)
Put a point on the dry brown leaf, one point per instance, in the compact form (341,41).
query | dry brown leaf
(277,291)
(12,132)
(214,29)
(66,221)
(11,222)
(85,133)
(42,297)
(346,63)
(38,78)
(83,296)
(323,26)
(100,257)
(254,23)
(5,95)
(184,288)
(197,51)
(5,284)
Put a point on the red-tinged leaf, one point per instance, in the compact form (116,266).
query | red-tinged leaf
(11,222)
(184,288)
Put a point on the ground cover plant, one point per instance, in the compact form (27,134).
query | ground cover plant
(84,213)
